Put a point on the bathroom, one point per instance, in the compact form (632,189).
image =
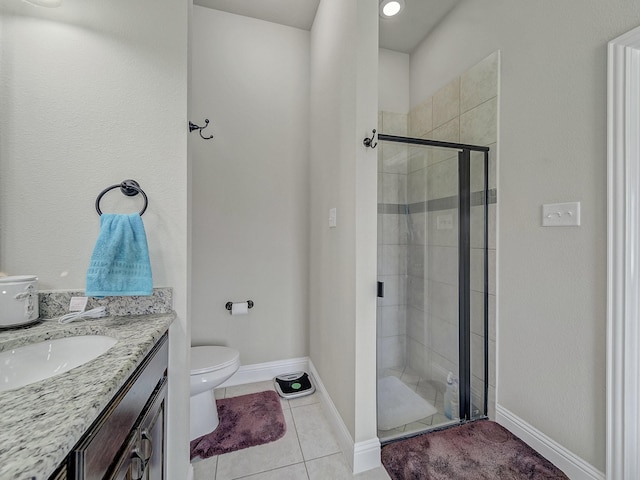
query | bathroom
(81,110)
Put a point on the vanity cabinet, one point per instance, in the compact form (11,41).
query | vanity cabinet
(153,438)
(126,468)
(144,454)
(128,440)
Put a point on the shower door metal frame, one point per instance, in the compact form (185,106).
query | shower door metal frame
(464,264)
(464,282)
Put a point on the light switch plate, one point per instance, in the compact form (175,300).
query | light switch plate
(561,214)
(333,220)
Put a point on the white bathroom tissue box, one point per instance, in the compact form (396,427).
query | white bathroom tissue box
(241,308)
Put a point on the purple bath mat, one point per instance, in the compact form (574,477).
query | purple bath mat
(245,421)
(475,451)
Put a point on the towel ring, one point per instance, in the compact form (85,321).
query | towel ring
(130,188)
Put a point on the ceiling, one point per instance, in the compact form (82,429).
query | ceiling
(402,33)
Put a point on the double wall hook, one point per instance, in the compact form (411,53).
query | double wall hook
(193,126)
(368,142)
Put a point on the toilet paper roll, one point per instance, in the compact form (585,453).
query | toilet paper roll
(241,308)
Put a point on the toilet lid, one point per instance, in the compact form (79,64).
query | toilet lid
(208,359)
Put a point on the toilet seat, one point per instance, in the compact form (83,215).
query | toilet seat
(208,359)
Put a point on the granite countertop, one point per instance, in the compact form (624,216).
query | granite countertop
(41,422)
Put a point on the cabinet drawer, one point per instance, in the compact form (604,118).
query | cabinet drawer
(93,456)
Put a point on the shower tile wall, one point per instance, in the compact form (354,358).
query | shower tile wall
(418,230)
(464,111)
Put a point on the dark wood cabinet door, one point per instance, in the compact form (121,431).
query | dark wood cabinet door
(153,437)
(127,466)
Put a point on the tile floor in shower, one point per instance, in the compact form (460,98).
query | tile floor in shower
(308,450)
(432,391)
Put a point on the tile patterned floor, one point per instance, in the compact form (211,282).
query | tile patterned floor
(431,391)
(308,451)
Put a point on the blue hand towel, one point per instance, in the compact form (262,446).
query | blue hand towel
(120,261)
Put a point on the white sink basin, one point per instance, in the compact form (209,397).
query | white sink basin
(37,361)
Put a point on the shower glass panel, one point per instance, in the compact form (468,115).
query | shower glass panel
(482,200)
(421,340)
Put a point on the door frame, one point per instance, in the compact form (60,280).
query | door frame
(623,257)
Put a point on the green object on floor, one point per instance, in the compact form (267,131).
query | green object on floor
(293,385)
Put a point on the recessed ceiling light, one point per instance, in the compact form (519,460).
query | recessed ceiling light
(390,8)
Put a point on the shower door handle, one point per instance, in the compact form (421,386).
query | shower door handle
(380,289)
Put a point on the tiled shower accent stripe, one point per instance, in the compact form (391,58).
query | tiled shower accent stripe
(393,208)
(437,204)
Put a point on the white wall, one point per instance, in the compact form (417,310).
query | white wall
(250,78)
(93,93)
(343,175)
(552,141)
(393,79)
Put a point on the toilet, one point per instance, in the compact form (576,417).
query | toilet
(210,367)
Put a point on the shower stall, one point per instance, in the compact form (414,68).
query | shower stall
(433,305)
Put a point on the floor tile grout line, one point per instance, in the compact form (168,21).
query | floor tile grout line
(295,427)
(304,405)
(330,429)
(269,470)
(339,452)
(306,469)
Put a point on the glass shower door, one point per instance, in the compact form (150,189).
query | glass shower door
(418,334)
(432,262)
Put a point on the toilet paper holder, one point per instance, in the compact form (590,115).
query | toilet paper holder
(229,305)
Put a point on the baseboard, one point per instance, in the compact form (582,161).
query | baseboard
(261,372)
(572,465)
(361,456)
(345,441)
(366,455)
